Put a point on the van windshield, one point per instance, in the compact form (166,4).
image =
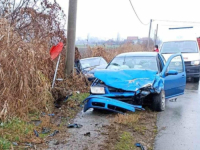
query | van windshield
(179,47)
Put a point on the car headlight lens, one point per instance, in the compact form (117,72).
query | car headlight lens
(89,75)
(195,63)
(97,90)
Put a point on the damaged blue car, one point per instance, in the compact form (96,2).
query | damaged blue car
(134,79)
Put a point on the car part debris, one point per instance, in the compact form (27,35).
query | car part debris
(45,130)
(51,115)
(36,133)
(15,143)
(87,134)
(53,142)
(28,144)
(36,122)
(74,125)
(54,133)
(173,100)
(139,145)
(102,102)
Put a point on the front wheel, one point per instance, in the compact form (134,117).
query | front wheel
(159,101)
(196,79)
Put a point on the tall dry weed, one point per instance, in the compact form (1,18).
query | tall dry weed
(25,73)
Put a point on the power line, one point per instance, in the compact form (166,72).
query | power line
(177,21)
(137,14)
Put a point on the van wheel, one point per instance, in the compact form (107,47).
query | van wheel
(159,101)
(196,79)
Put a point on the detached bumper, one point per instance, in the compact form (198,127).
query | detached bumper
(101,102)
(192,71)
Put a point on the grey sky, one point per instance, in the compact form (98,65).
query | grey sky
(105,18)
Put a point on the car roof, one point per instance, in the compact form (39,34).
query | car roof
(178,40)
(138,54)
(90,58)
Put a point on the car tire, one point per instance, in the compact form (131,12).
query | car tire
(159,101)
(196,79)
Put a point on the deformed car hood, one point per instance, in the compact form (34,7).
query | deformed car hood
(131,80)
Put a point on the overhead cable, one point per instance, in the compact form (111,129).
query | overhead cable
(137,14)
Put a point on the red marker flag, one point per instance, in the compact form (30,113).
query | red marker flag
(56,50)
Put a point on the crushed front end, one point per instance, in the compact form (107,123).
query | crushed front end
(120,91)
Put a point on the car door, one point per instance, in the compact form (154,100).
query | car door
(174,76)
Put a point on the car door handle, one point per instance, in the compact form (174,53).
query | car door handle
(183,76)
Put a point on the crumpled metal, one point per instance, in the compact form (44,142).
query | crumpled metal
(131,80)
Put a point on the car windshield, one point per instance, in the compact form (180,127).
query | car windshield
(134,62)
(179,47)
(92,62)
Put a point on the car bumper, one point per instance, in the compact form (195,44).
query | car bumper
(101,102)
(192,71)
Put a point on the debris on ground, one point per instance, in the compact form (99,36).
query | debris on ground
(54,133)
(36,122)
(28,144)
(15,143)
(87,134)
(74,125)
(36,133)
(140,146)
(45,130)
(53,142)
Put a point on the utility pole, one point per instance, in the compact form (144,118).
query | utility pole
(71,37)
(149,33)
(156,34)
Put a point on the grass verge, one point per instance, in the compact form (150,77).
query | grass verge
(131,128)
(20,132)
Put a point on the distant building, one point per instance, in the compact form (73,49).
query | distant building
(132,39)
(143,40)
(110,42)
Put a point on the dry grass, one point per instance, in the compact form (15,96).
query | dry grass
(109,54)
(131,128)
(127,119)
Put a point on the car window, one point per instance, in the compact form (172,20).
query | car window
(134,62)
(176,64)
(179,47)
(92,62)
(103,62)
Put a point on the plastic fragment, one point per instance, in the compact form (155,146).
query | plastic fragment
(36,133)
(54,133)
(45,130)
(74,125)
(87,134)
(139,145)
(15,143)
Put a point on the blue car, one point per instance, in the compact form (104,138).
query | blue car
(134,79)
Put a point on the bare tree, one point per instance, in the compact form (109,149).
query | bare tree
(35,19)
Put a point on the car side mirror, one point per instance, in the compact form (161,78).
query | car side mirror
(172,72)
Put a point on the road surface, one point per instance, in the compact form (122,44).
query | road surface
(179,124)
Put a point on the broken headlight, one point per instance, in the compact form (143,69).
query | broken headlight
(195,63)
(89,75)
(97,90)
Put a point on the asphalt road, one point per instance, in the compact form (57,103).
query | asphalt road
(179,124)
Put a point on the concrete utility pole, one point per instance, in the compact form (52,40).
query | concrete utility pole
(156,35)
(71,37)
(149,33)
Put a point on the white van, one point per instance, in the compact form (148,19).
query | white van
(190,52)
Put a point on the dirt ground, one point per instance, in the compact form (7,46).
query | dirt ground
(105,130)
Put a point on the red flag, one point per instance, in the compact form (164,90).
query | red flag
(56,50)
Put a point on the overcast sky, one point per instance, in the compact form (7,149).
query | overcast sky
(107,18)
